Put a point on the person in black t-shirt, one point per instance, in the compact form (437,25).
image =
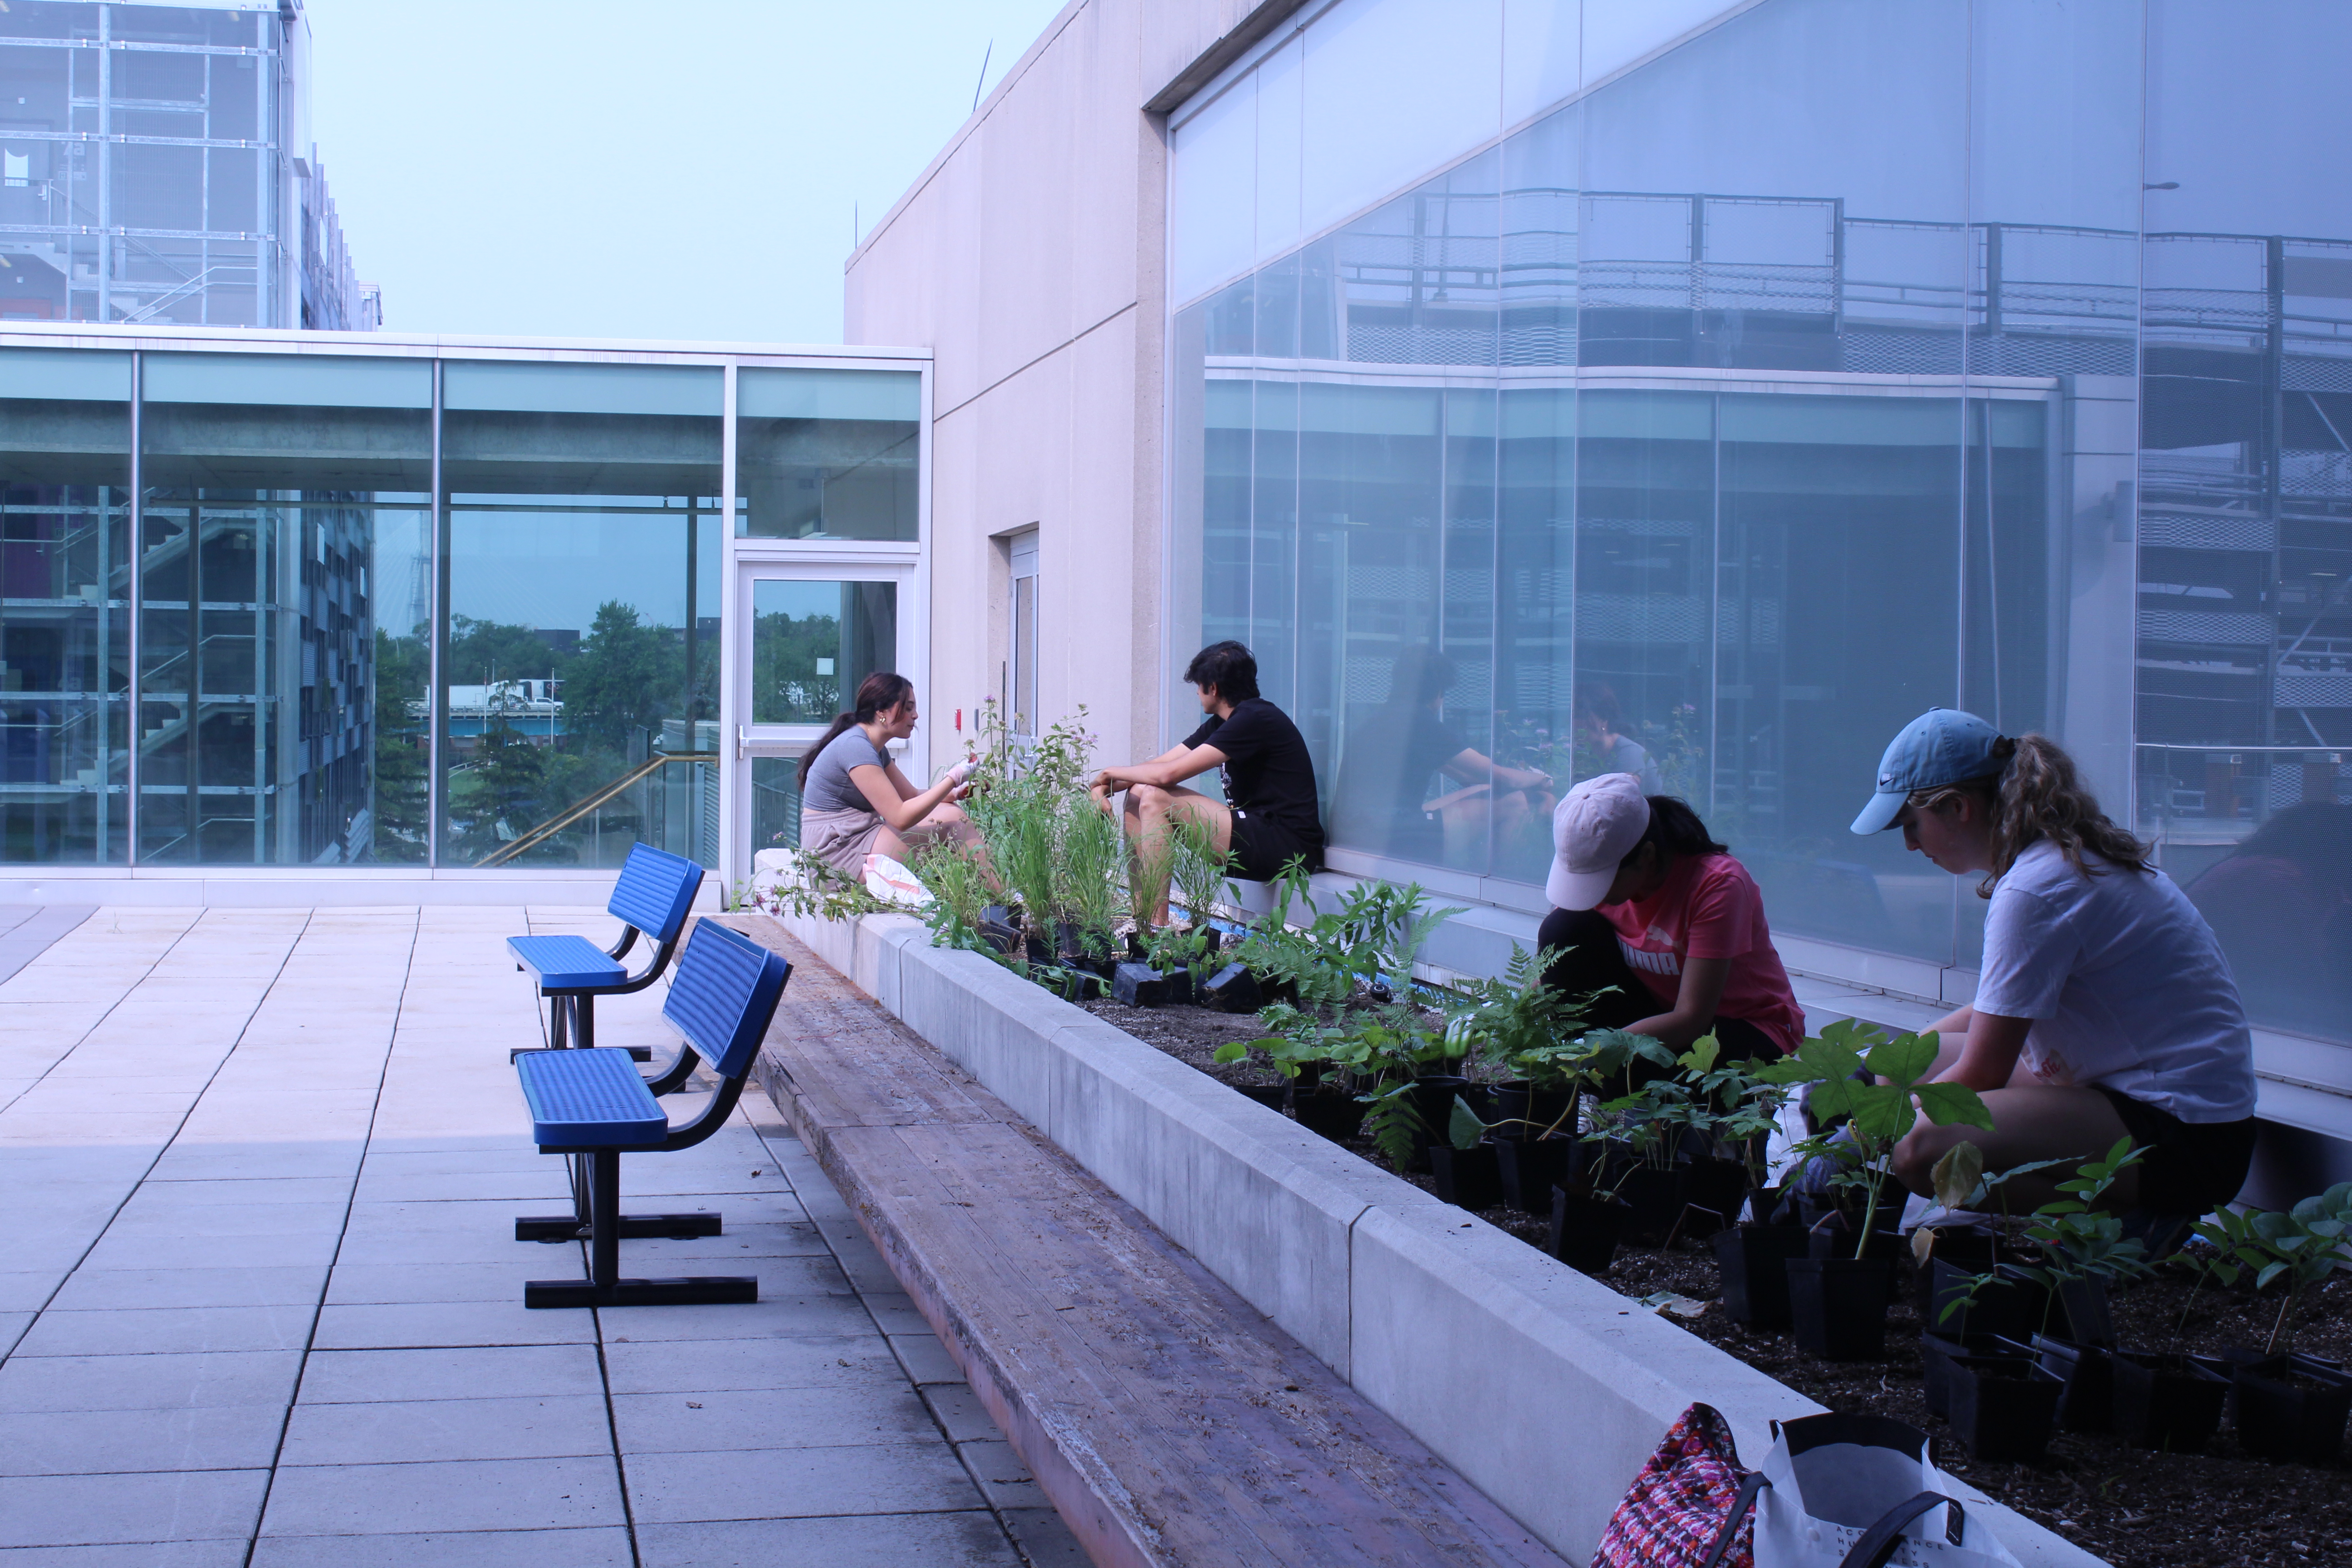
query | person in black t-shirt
(1412,782)
(1268,818)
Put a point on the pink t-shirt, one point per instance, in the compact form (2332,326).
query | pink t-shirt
(1711,908)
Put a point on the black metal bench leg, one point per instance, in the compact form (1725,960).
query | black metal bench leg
(556,1020)
(604,1286)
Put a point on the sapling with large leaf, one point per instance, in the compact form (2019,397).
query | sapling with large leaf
(1877,1083)
(2304,1246)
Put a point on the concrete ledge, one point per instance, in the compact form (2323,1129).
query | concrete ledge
(1547,1390)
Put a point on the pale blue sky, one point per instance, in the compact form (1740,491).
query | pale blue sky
(585,168)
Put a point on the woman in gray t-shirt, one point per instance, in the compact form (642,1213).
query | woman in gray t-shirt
(854,800)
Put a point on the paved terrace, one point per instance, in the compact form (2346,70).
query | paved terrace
(260,1302)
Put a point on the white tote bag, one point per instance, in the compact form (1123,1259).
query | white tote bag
(1859,1492)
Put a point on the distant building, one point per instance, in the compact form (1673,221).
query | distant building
(154,168)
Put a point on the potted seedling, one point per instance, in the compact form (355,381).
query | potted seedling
(1463,1166)
(2285,1405)
(1839,1304)
(1519,1023)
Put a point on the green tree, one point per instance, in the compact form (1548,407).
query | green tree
(483,651)
(403,666)
(626,677)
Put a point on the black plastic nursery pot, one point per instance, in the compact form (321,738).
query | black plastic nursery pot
(1829,1241)
(1653,1199)
(1431,1099)
(1529,1167)
(2167,1402)
(1233,989)
(1523,1111)
(2002,1407)
(1331,1111)
(2009,1305)
(2087,1403)
(1712,1191)
(1754,1260)
(1139,985)
(2289,1407)
(1584,1229)
(1273,1096)
(1838,1306)
(1466,1177)
(1937,1352)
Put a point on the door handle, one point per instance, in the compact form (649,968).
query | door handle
(742,741)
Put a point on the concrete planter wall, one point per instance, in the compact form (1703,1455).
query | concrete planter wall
(1545,1389)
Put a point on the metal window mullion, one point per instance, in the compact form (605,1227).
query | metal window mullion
(130,735)
(435,707)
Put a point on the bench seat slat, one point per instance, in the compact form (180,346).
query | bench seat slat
(565,963)
(590,1099)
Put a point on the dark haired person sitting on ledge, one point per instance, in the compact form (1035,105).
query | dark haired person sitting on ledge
(1268,818)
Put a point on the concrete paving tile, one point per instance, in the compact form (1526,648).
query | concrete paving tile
(12,1330)
(541,1183)
(166,1194)
(355,1284)
(780,1483)
(28,1290)
(771,1418)
(148,1330)
(74,1511)
(926,1359)
(775,1314)
(895,1314)
(90,1290)
(592,1548)
(165,1382)
(1045,1541)
(960,1412)
(146,1216)
(1003,1479)
(222,1160)
(489,1239)
(861,1541)
(300,1249)
(736,1244)
(421,1430)
(815,1362)
(228,1553)
(411,1325)
(93,1442)
(475,1494)
(339,1377)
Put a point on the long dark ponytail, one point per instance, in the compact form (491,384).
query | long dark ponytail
(1677,830)
(876,695)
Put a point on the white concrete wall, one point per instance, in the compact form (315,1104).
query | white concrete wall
(1028,255)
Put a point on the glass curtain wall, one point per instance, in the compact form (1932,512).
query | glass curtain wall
(580,517)
(283,500)
(65,605)
(2245,514)
(826,454)
(1675,433)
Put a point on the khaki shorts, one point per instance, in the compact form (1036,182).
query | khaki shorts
(842,839)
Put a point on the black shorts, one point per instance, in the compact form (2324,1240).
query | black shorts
(2191,1167)
(1261,848)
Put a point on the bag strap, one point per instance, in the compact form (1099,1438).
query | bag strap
(1879,1542)
(1750,1484)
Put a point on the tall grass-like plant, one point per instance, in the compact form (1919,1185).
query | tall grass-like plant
(1089,866)
(960,890)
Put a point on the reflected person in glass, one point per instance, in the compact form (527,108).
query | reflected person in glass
(1602,744)
(2281,904)
(2105,1006)
(855,803)
(1413,787)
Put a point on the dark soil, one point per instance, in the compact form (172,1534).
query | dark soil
(2138,1509)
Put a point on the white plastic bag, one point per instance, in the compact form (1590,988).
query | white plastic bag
(892,883)
(1838,1479)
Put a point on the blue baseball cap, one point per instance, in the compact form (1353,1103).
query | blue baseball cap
(1942,746)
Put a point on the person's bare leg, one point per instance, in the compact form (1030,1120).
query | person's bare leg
(1149,809)
(2039,1121)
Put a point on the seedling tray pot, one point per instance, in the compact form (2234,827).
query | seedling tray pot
(1754,1261)
(2289,1407)
(1831,1243)
(1838,1306)
(2002,1406)
(1712,1189)
(1336,1115)
(2087,1401)
(1523,1111)
(1139,985)
(2009,1305)
(1432,1098)
(1655,1201)
(1584,1230)
(1466,1177)
(1233,989)
(1937,1352)
(2167,1402)
(1273,1096)
(1528,1167)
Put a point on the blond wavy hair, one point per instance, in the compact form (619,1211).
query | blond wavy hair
(2036,795)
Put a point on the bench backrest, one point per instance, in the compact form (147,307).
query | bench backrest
(654,891)
(723,995)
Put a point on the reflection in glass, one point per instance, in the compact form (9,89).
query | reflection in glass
(580,510)
(282,501)
(775,803)
(827,454)
(814,643)
(65,603)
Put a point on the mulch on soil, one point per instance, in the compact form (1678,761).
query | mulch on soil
(2138,1509)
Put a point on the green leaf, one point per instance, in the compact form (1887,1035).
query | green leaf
(1901,1059)
(2269,1273)
(1465,1129)
(1958,1175)
(1236,1050)
(1953,1104)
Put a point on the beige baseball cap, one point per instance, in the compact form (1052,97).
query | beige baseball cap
(1593,828)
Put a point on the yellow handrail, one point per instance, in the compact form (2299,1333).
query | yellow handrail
(572,813)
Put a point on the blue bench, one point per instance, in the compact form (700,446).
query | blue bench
(650,899)
(594,1104)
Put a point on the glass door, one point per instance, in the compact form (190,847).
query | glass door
(808,634)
